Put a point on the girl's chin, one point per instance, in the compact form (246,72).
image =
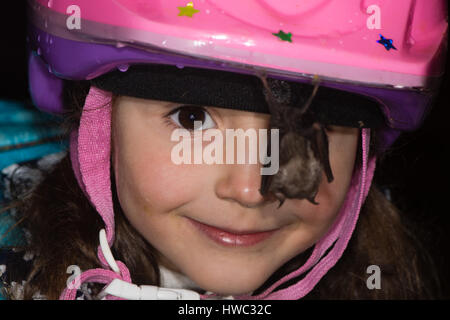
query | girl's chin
(230,290)
(233,283)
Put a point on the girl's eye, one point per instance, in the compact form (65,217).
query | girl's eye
(185,116)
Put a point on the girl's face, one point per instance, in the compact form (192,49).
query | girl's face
(161,199)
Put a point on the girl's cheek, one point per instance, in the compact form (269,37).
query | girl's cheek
(147,176)
(153,180)
(142,168)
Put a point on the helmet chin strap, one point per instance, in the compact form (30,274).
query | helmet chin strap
(90,155)
(126,290)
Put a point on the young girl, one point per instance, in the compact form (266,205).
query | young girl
(118,218)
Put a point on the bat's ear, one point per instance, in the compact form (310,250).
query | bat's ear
(266,90)
(262,75)
(316,84)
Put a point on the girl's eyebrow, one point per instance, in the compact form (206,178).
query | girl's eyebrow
(180,104)
(165,104)
(169,104)
(173,104)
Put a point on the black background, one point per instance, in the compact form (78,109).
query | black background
(416,169)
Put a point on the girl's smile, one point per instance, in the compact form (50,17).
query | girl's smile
(210,222)
(233,237)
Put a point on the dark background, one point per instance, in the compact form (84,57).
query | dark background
(416,169)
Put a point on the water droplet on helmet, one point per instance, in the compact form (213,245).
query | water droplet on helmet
(39,51)
(180,66)
(123,67)
(120,45)
(39,38)
(50,69)
(411,40)
(208,11)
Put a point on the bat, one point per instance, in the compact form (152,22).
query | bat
(303,149)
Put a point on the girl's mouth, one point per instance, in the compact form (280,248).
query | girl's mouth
(232,238)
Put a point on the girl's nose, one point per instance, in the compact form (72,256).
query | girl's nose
(241,183)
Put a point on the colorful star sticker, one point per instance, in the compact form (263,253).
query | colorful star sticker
(387,43)
(188,11)
(283,36)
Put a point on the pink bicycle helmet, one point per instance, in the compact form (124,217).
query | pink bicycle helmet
(390,53)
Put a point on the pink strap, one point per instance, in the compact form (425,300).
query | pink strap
(94,141)
(90,157)
(95,275)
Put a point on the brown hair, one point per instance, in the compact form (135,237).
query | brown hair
(64,231)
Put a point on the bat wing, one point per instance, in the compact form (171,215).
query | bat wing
(320,146)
